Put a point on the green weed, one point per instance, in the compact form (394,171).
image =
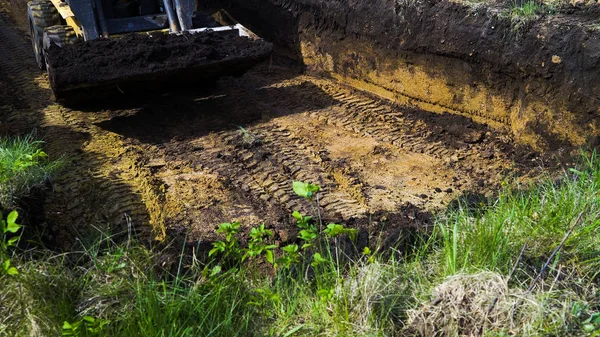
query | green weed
(8,228)
(24,166)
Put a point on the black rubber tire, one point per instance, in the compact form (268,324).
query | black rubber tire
(60,35)
(40,14)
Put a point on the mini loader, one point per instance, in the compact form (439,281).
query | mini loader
(81,44)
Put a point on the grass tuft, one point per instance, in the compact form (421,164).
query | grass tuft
(24,166)
(527,10)
(483,304)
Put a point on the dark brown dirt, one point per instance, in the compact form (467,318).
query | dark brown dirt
(544,72)
(139,60)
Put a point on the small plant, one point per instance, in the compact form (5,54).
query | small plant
(526,10)
(290,256)
(334,230)
(230,248)
(257,245)
(318,259)
(86,326)
(592,324)
(249,139)
(7,227)
(308,232)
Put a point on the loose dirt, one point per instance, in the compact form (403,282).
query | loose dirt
(189,160)
(136,60)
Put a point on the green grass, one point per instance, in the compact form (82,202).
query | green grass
(24,166)
(534,219)
(118,285)
(537,216)
(527,10)
(458,280)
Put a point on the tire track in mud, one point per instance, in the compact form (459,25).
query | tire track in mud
(302,124)
(21,88)
(105,184)
(16,56)
(259,165)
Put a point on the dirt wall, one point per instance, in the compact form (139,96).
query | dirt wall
(537,79)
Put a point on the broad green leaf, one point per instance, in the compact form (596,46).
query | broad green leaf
(291,248)
(12,217)
(213,251)
(12,241)
(11,225)
(89,319)
(12,228)
(215,270)
(219,246)
(269,256)
(317,260)
(325,294)
(228,227)
(12,271)
(366,251)
(334,229)
(305,190)
(589,328)
(307,235)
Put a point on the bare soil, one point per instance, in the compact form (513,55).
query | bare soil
(183,162)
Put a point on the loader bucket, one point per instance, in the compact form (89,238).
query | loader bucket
(135,63)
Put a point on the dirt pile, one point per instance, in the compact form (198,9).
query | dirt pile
(135,59)
(535,78)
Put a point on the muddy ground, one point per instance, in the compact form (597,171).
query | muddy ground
(186,161)
(536,77)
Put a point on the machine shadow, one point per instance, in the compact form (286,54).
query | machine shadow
(179,117)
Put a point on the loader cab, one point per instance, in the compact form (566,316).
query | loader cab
(104,18)
(119,9)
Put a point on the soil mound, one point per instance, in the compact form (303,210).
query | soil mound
(136,58)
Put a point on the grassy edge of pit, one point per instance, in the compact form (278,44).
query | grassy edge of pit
(525,264)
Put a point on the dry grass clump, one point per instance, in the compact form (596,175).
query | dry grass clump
(32,302)
(374,292)
(463,305)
